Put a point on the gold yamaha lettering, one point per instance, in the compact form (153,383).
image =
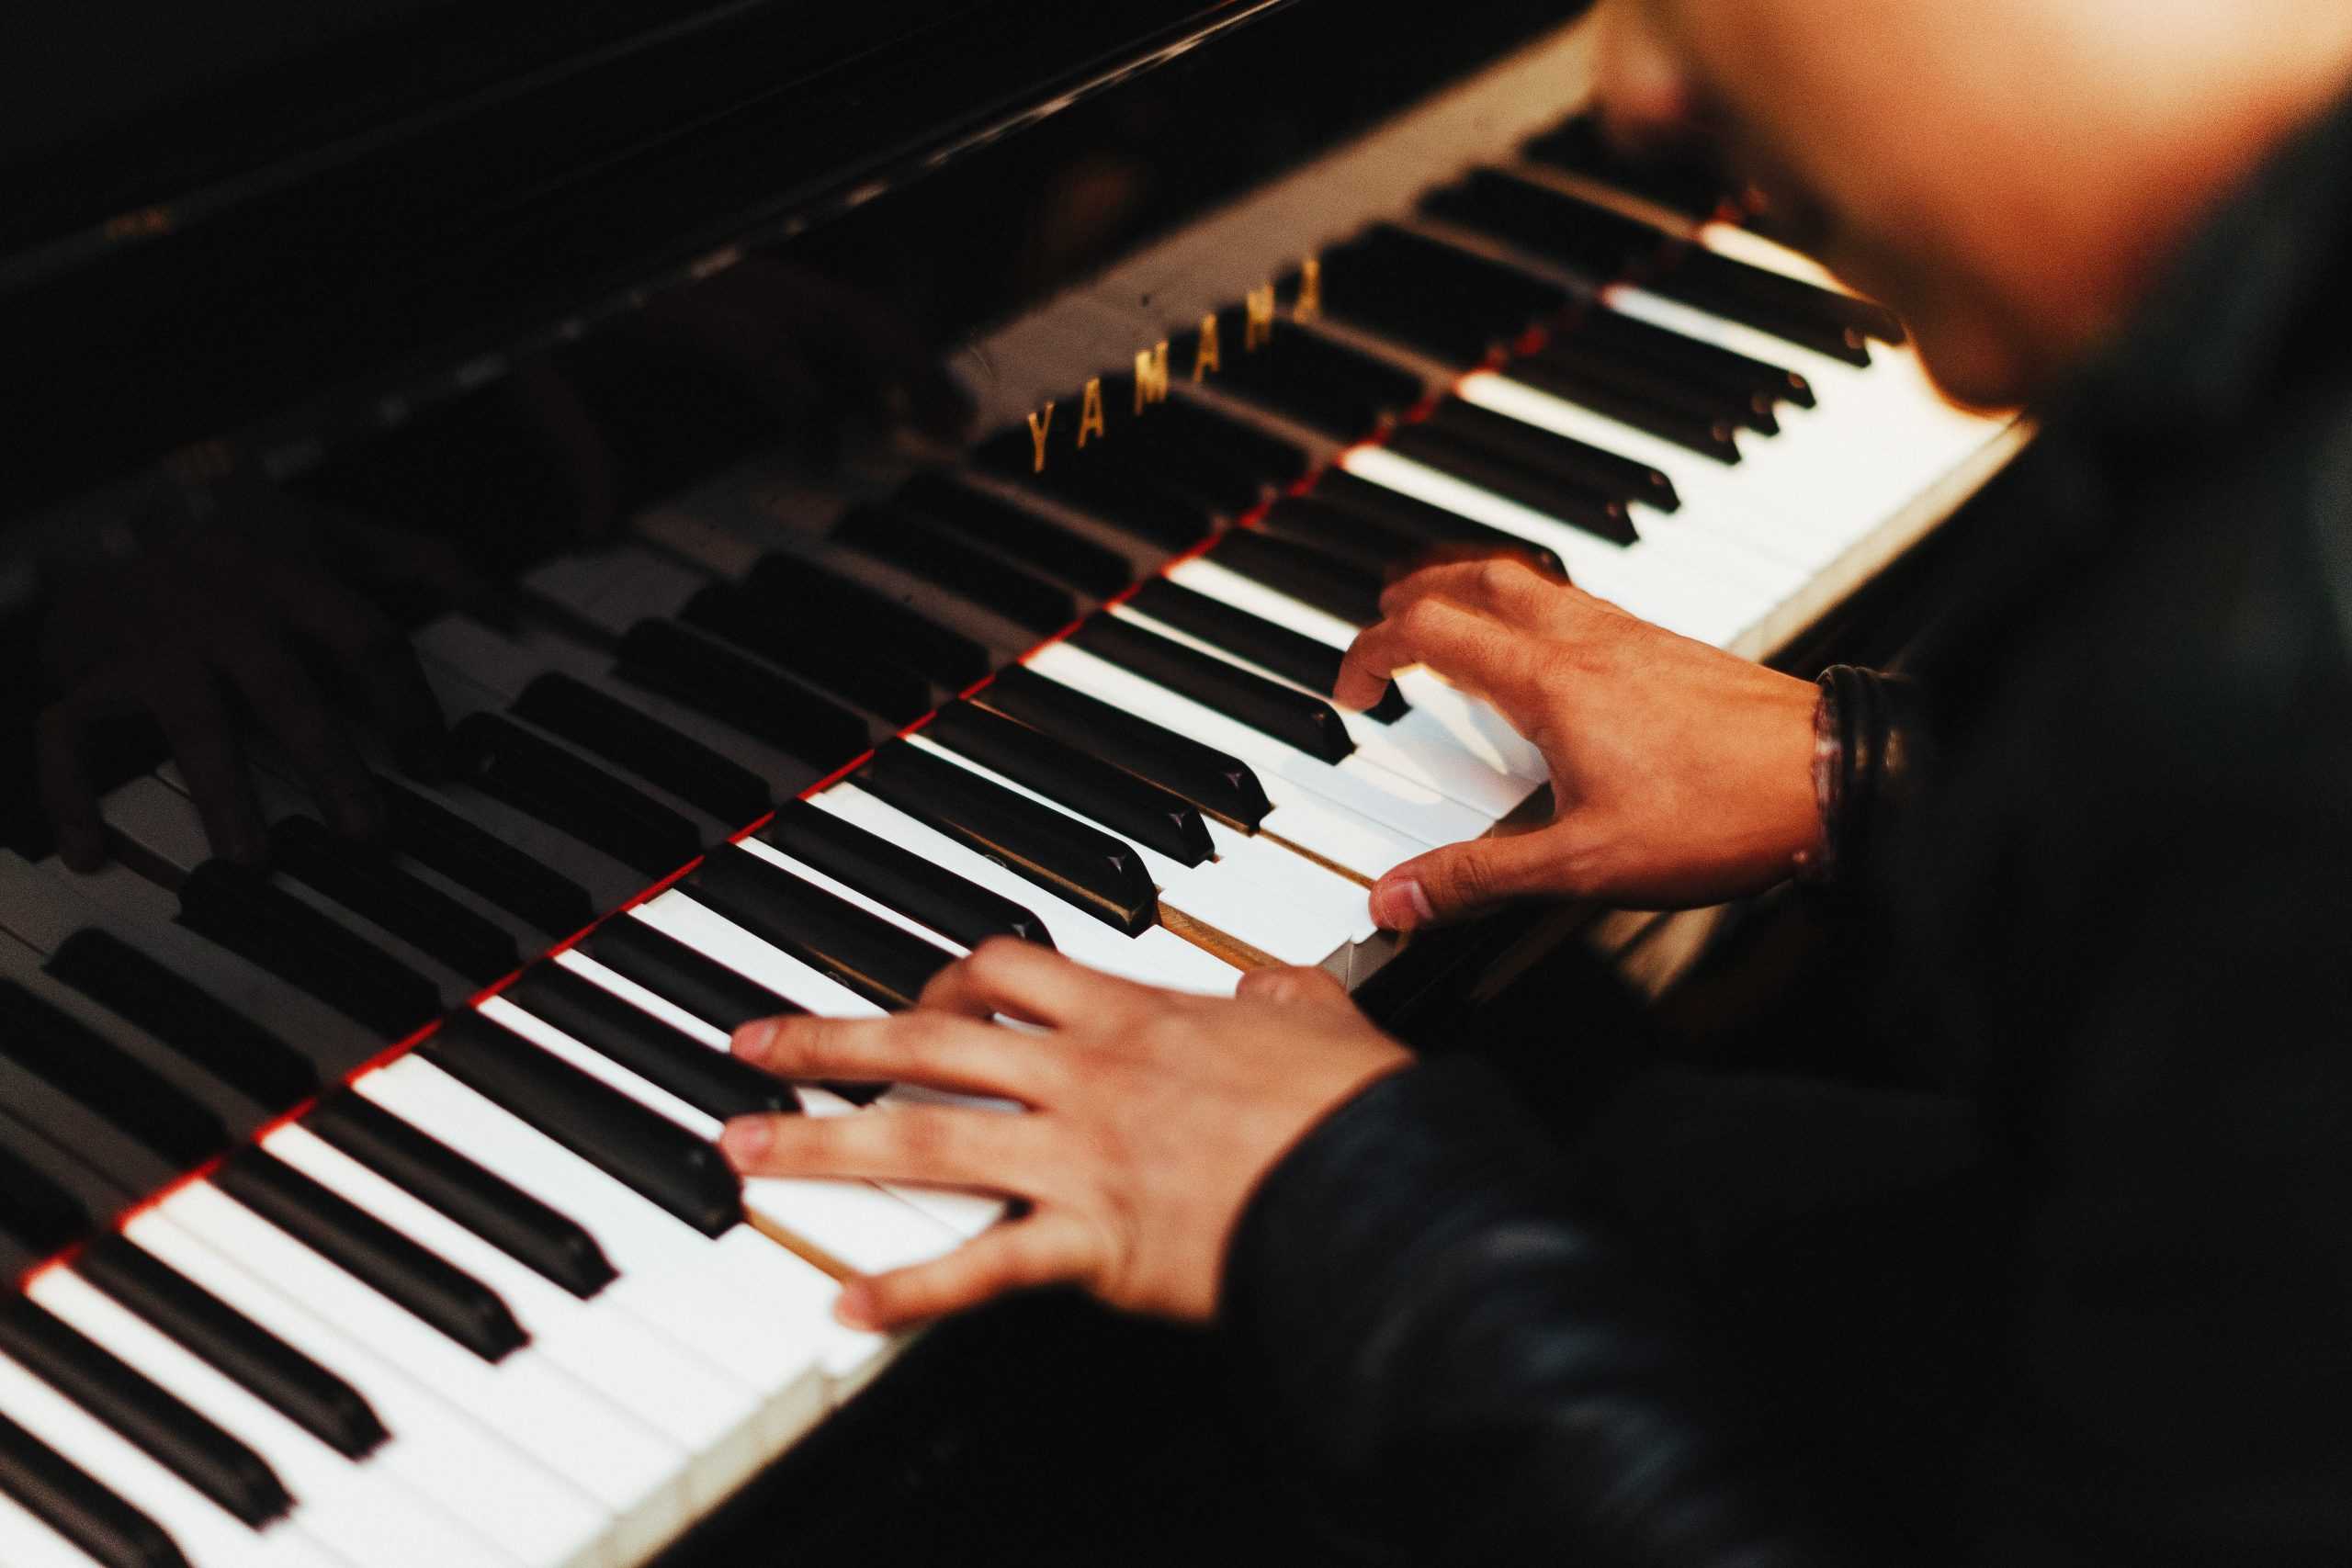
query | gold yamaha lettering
(1258,329)
(1309,303)
(1090,413)
(1041,424)
(1151,376)
(1205,357)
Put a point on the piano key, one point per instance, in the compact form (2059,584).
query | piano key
(541,1238)
(1157,957)
(205,1535)
(888,871)
(641,950)
(434,836)
(989,521)
(202,1027)
(51,1115)
(1579,463)
(1093,870)
(1322,581)
(451,1301)
(1273,647)
(243,911)
(1654,345)
(855,1223)
(1661,386)
(829,604)
(510,764)
(1587,239)
(1439,529)
(1605,517)
(366,881)
(117,1088)
(1193,432)
(596,722)
(50,1500)
(761,1314)
(1105,486)
(1824,320)
(714,1084)
(968,570)
(633,1476)
(880,960)
(702,673)
(1329,386)
(624,1361)
(1688,186)
(854,672)
(192,1448)
(360,1514)
(292,1383)
(1216,782)
(438,1450)
(1126,805)
(688,1179)
(38,1215)
(1310,724)
(1710,435)
(1367,544)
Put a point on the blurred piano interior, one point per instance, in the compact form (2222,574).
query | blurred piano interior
(591,352)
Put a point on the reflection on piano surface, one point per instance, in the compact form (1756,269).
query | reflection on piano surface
(364,1189)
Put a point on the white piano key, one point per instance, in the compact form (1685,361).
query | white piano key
(715,936)
(852,1220)
(359,1511)
(1409,809)
(28,1542)
(636,996)
(602,1348)
(1157,957)
(633,1475)
(207,1536)
(965,1214)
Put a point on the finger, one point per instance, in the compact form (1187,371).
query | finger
(1046,1249)
(1293,987)
(67,794)
(1022,980)
(196,724)
(373,651)
(1463,879)
(1476,653)
(927,1146)
(1509,589)
(934,1049)
(293,710)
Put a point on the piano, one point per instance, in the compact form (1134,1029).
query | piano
(359,1201)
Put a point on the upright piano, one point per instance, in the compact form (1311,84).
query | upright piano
(853,482)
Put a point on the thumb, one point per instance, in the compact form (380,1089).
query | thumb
(1465,879)
(1293,987)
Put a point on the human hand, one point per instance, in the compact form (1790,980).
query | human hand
(210,620)
(1151,1117)
(1681,775)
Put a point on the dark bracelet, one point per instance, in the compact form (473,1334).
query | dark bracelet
(1865,752)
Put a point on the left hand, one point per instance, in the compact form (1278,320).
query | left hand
(1151,1118)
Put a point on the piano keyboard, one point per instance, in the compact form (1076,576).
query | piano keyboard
(368,1207)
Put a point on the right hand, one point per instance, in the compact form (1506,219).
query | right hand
(1681,775)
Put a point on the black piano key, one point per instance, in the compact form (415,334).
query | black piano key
(42,1217)
(711,678)
(1329,585)
(1308,723)
(1710,437)
(149,1416)
(712,1081)
(1194,434)
(484,863)
(1578,463)
(855,671)
(825,603)
(1585,238)
(1689,186)
(1602,515)
(1104,485)
(1124,803)
(541,1238)
(1456,302)
(537,777)
(1655,344)
(1325,386)
(1833,315)
(687,979)
(1668,388)
(1216,782)
(1365,543)
(894,876)
(993,523)
(683,1175)
(1440,532)
(605,726)
(431,1289)
(879,961)
(61,1495)
(1277,648)
(270,1370)
(183,1016)
(1081,864)
(106,1166)
(237,907)
(119,1088)
(365,880)
(968,570)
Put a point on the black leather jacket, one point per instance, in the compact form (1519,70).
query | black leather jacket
(2126,899)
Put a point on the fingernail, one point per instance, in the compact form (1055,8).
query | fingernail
(753,1040)
(746,1140)
(1399,905)
(854,1307)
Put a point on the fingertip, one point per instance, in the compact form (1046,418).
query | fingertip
(756,1040)
(746,1140)
(1401,903)
(857,1307)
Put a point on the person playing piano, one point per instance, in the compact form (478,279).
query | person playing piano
(2093,1306)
